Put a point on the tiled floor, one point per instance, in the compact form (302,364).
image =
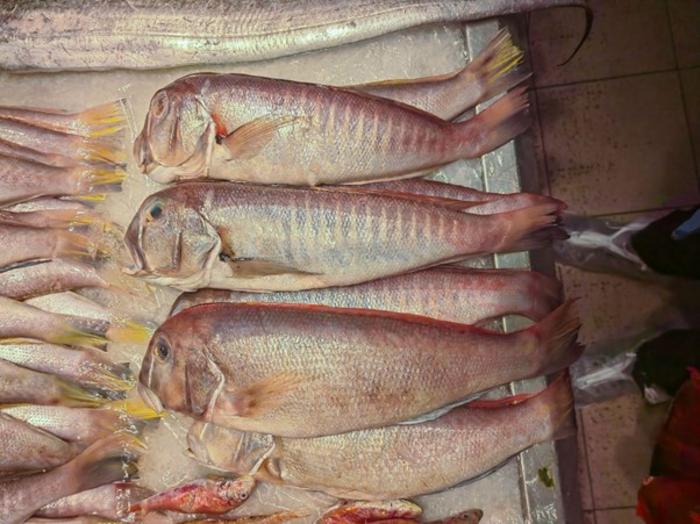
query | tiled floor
(619,134)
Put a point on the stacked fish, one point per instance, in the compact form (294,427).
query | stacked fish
(325,335)
(64,426)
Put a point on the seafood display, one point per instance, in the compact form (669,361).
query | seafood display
(288,330)
(269,238)
(148,34)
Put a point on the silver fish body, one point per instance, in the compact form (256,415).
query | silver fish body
(147,34)
(261,238)
(110,501)
(399,461)
(447,293)
(46,277)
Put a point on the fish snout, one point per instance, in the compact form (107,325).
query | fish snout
(149,397)
(142,154)
(132,242)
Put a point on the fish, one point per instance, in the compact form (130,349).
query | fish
(471,516)
(49,213)
(363,512)
(103,462)
(19,385)
(84,123)
(109,501)
(42,244)
(85,519)
(290,370)
(44,277)
(456,294)
(26,448)
(275,518)
(86,367)
(84,426)
(484,203)
(272,238)
(22,180)
(401,461)
(22,320)
(105,145)
(12,150)
(151,35)
(273,131)
(492,72)
(669,500)
(199,496)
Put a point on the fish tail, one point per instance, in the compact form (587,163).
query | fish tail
(558,401)
(105,179)
(75,396)
(543,294)
(90,200)
(72,336)
(106,460)
(529,228)
(497,66)
(113,377)
(556,335)
(119,281)
(129,332)
(107,144)
(135,409)
(494,126)
(103,116)
(73,244)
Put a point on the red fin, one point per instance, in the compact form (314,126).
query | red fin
(495,403)
(558,332)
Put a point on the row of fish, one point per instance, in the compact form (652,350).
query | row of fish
(323,342)
(68,434)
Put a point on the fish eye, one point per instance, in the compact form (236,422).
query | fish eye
(162,350)
(244,496)
(155,212)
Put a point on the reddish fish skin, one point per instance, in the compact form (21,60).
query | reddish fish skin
(199,496)
(308,134)
(456,294)
(363,512)
(253,377)
(669,500)
(486,203)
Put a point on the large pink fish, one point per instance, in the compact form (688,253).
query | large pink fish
(299,370)
(263,238)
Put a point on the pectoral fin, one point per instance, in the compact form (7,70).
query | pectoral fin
(251,268)
(257,398)
(251,138)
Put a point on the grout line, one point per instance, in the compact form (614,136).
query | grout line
(646,210)
(543,148)
(614,77)
(616,507)
(588,466)
(673,36)
(686,113)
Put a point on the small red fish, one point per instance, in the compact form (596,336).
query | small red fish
(669,500)
(200,496)
(363,512)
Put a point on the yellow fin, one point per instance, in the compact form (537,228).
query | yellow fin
(136,409)
(103,115)
(249,139)
(79,338)
(129,332)
(256,398)
(75,396)
(75,244)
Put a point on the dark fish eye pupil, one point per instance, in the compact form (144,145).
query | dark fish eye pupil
(163,350)
(156,211)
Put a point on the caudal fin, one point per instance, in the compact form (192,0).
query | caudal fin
(103,116)
(106,460)
(107,144)
(529,228)
(557,401)
(499,123)
(496,67)
(556,335)
(70,244)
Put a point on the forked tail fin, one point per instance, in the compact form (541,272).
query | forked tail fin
(557,401)
(529,228)
(556,335)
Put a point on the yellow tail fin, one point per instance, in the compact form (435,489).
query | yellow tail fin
(75,396)
(129,332)
(135,409)
(99,117)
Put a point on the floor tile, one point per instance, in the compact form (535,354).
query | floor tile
(628,37)
(584,476)
(617,516)
(618,145)
(691,93)
(685,21)
(589,517)
(620,434)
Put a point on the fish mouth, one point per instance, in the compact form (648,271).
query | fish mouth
(150,398)
(132,240)
(142,154)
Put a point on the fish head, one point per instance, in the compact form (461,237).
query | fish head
(237,491)
(178,369)
(170,238)
(178,131)
(228,449)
